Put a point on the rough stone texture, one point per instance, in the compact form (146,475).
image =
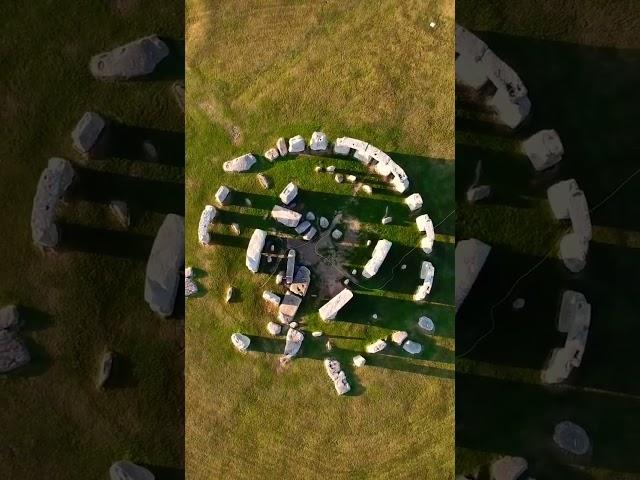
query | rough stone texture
(310,216)
(324,222)
(341,384)
(272,154)
(288,307)
(124,470)
(336,234)
(470,257)
(426,324)
(87,132)
(303,227)
(331,168)
(351,178)
(285,216)
(544,149)
(229,294)
(508,468)
(296,144)
(164,266)
(478,192)
(339,178)
(399,337)
(291,265)
(378,256)
(310,234)
(53,183)
(134,59)
(13,351)
(414,202)
(271,298)
(376,346)
(289,193)
(573,251)
(206,218)
(332,367)
(104,371)
(579,215)
(273,328)
(559,194)
(281,145)
(264,181)
(572,438)
(240,164)
(428,272)
(301,281)
(330,309)
(223,195)
(294,342)
(188,272)
(121,212)
(254,250)
(341,150)
(367,189)
(240,341)
(319,141)
(190,287)
(362,157)
(412,347)
(359,361)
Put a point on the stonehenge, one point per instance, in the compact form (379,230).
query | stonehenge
(376,346)
(330,309)
(318,142)
(293,343)
(254,250)
(296,144)
(380,252)
(240,341)
(134,59)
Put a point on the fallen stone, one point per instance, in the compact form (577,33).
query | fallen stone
(319,141)
(301,281)
(341,384)
(87,132)
(332,367)
(351,178)
(354,272)
(271,298)
(121,212)
(264,181)
(190,287)
(164,266)
(359,361)
(317,333)
(508,468)
(271,154)
(240,164)
(104,372)
(223,195)
(124,470)
(330,309)
(135,59)
(426,324)
(273,328)
(374,316)
(310,234)
(281,145)
(296,144)
(331,169)
(247,202)
(378,256)
(293,343)
(254,250)
(324,222)
(288,307)
(341,149)
(293,325)
(229,294)
(310,216)
(362,157)
(399,337)
(336,234)
(240,341)
(478,192)
(376,346)
(346,282)
(289,193)
(572,438)
(412,347)
(303,227)
(427,273)
(285,216)
(414,202)
(339,178)
(367,189)
(206,219)
(544,149)
(387,220)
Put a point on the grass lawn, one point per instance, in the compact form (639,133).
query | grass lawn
(559,49)
(260,70)
(89,296)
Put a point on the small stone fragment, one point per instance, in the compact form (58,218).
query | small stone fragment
(336,234)
(387,220)
(376,346)
(426,324)
(331,169)
(104,372)
(367,189)
(354,272)
(303,227)
(273,328)
(228,294)
(240,341)
(359,361)
(310,216)
(317,333)
(414,202)
(518,303)
(403,266)
(339,178)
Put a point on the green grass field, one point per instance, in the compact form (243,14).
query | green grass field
(76,303)
(260,70)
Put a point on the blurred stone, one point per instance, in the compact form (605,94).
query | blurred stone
(271,154)
(478,192)
(310,234)
(336,234)
(104,372)
(339,178)
(367,189)
(544,149)
(319,141)
(376,346)
(235,228)
(351,178)
(331,169)
(426,324)
(264,181)
(190,287)
(414,202)
(135,59)
(293,343)
(206,219)
(296,144)
(273,328)
(330,309)
(289,193)
(285,216)
(572,438)
(518,303)
(412,347)
(254,250)
(87,132)
(324,222)
(124,470)
(288,307)
(359,361)
(229,294)
(310,216)
(399,337)
(317,333)
(240,341)
(271,298)
(387,220)
(508,468)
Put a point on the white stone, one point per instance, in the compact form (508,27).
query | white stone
(272,154)
(331,169)
(339,178)
(414,202)
(289,193)
(229,294)
(376,346)
(281,145)
(164,266)
(273,328)
(341,149)
(387,220)
(285,216)
(367,189)
(254,250)
(518,303)
(470,258)
(324,222)
(303,227)
(427,273)
(412,347)
(319,141)
(124,470)
(317,333)
(271,298)
(399,337)
(354,272)
(359,361)
(87,131)
(310,216)
(508,468)
(579,215)
(573,251)
(188,272)
(263,180)
(280,278)
(206,219)
(330,309)
(296,144)
(293,325)
(432,24)
(288,308)
(403,266)
(374,316)
(378,256)
(294,342)
(572,438)
(559,195)
(222,195)
(291,266)
(134,59)
(368,243)
(190,287)
(240,164)
(332,367)
(544,149)
(478,192)
(301,281)
(310,234)
(426,324)
(351,178)
(336,234)
(240,341)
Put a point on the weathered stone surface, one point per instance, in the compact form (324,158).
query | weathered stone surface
(240,341)
(13,351)
(508,468)
(316,333)
(399,337)
(331,169)
(223,195)
(378,256)
(376,346)
(271,298)
(301,281)
(426,324)
(87,132)
(319,141)
(206,219)
(332,367)
(124,470)
(573,251)
(478,192)
(190,287)
(264,181)
(544,149)
(324,222)
(291,265)
(303,227)
(351,178)
(288,307)
(281,145)
(121,211)
(273,328)
(387,220)
(428,272)
(412,347)
(572,438)
(362,157)
(188,272)
(285,216)
(330,309)
(240,164)
(470,257)
(53,183)
(367,189)
(574,310)
(341,384)
(559,194)
(579,215)
(9,318)
(296,144)
(289,193)
(310,216)
(104,371)
(339,178)
(272,154)
(414,202)
(254,249)
(164,266)
(134,59)
(293,343)
(336,234)
(341,149)
(359,361)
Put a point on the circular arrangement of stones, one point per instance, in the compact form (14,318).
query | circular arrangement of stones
(297,277)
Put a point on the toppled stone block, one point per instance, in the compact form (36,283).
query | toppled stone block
(285,216)
(135,59)
(303,227)
(310,234)
(544,149)
(376,346)
(178,92)
(124,470)
(86,135)
(414,202)
(296,144)
(573,251)
(206,219)
(378,256)
(341,149)
(271,298)
(254,250)
(293,343)
(330,309)
(289,193)
(240,164)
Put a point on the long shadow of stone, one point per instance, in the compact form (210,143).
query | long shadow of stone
(142,194)
(40,361)
(122,373)
(165,473)
(144,144)
(113,243)
(34,319)
(172,66)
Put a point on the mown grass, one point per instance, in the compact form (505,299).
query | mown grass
(76,303)
(260,70)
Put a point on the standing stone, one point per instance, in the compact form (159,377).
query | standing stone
(87,132)
(254,250)
(281,145)
(387,220)
(544,149)
(412,347)
(351,178)
(223,195)
(273,328)
(399,337)
(426,324)
(289,193)
(319,141)
(414,202)
(240,164)
(106,363)
(296,144)
(121,212)
(271,154)
(240,341)
(341,149)
(291,265)
(367,189)
(135,59)
(310,234)
(324,222)
(572,438)
(317,333)
(190,287)
(331,169)
(280,278)
(303,227)
(235,228)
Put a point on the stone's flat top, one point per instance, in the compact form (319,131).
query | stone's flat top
(558,195)
(301,281)
(104,372)
(310,234)
(414,201)
(341,384)
(134,59)
(9,317)
(412,347)
(289,193)
(273,328)
(332,367)
(285,216)
(470,257)
(271,297)
(426,324)
(87,131)
(240,164)
(376,346)
(293,343)
(254,249)
(296,144)
(125,470)
(378,256)
(13,351)
(330,309)
(508,468)
(206,218)
(164,265)
(240,341)
(579,215)
(288,307)
(359,361)
(399,337)
(303,227)
(319,141)
(222,193)
(572,438)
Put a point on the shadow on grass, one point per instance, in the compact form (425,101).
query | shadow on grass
(165,473)
(40,361)
(122,373)
(145,144)
(113,243)
(34,319)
